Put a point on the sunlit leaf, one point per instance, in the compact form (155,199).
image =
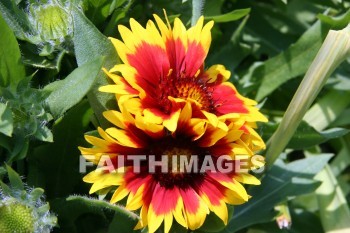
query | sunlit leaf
(327,109)
(334,209)
(228,17)
(15,180)
(6,121)
(11,67)
(90,44)
(289,64)
(73,88)
(336,23)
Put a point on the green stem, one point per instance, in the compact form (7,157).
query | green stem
(334,50)
(197,10)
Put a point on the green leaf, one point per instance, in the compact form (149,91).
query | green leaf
(74,87)
(5,142)
(19,150)
(30,57)
(233,52)
(111,218)
(98,11)
(55,166)
(36,194)
(283,180)
(5,189)
(6,120)
(15,18)
(342,160)
(327,109)
(43,134)
(336,23)
(289,64)
(213,223)
(11,68)
(343,118)
(228,17)
(334,209)
(2,171)
(305,135)
(89,43)
(15,179)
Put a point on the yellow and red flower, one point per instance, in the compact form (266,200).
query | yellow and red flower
(161,197)
(164,67)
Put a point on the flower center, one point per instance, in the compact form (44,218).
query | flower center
(182,163)
(177,159)
(185,87)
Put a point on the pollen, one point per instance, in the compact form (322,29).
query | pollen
(193,88)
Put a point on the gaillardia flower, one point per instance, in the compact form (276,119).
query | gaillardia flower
(164,67)
(182,175)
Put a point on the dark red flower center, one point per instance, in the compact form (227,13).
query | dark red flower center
(183,162)
(182,87)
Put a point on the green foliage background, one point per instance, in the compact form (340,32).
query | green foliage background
(49,99)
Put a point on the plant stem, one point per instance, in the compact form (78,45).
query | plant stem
(197,10)
(334,50)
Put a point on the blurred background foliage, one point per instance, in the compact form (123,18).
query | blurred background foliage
(51,54)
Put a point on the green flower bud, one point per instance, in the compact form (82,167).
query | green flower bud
(52,22)
(51,26)
(15,217)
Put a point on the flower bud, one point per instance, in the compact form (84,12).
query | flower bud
(16,217)
(52,21)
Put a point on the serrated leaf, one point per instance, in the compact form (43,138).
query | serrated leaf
(15,179)
(11,68)
(74,87)
(89,43)
(6,120)
(228,17)
(283,180)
